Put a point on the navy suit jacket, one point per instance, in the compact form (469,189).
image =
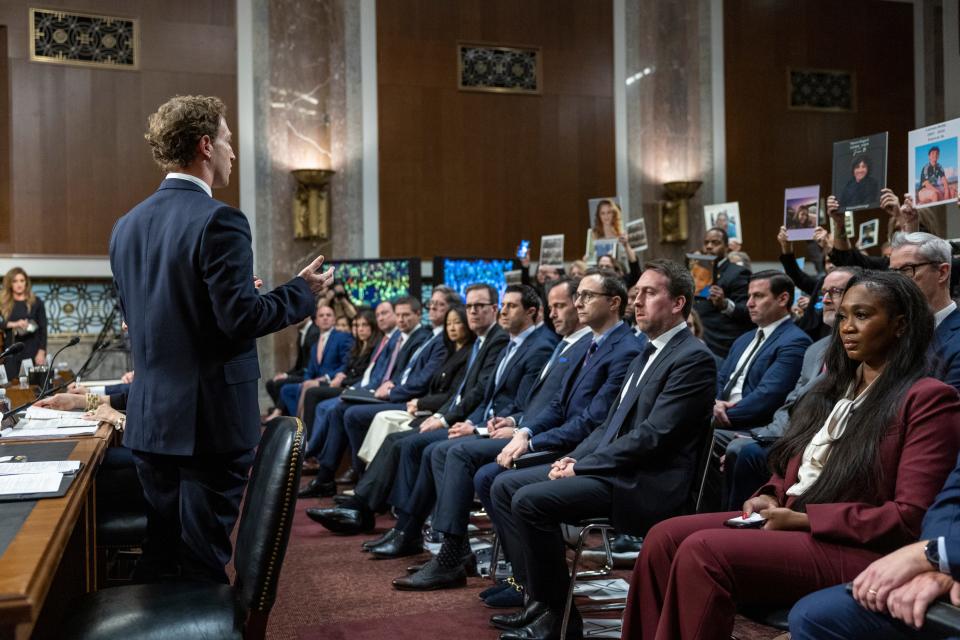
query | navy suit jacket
(947,350)
(509,394)
(183,267)
(336,353)
(771,376)
(943,519)
(545,389)
(588,391)
(425,361)
(652,460)
(383,361)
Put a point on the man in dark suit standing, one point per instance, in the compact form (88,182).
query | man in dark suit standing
(724,314)
(637,467)
(183,267)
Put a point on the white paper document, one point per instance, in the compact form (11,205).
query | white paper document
(53,466)
(49,432)
(30,483)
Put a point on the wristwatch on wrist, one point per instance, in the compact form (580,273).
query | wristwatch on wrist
(932,553)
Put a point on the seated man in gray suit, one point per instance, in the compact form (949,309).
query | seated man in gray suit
(744,474)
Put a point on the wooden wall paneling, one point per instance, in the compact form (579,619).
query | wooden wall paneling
(79,157)
(489,169)
(770,147)
(5,151)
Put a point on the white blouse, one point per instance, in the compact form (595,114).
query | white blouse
(816,453)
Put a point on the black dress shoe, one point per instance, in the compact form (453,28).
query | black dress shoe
(398,546)
(547,627)
(343,521)
(341,499)
(433,576)
(318,488)
(349,477)
(623,543)
(366,545)
(469,566)
(520,619)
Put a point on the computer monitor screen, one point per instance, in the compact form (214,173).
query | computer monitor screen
(371,281)
(459,273)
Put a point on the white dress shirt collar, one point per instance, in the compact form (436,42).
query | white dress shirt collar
(941,315)
(661,341)
(189,178)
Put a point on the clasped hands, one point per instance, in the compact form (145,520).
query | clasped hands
(497,428)
(904,585)
(562,468)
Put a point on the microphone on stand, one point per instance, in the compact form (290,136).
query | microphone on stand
(73,341)
(12,350)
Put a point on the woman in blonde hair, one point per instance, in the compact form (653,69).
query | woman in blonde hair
(24,320)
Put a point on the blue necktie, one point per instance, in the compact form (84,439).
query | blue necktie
(553,359)
(616,421)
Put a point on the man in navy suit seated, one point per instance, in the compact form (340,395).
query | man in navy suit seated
(330,413)
(892,594)
(183,267)
(764,364)
(600,361)
(927,260)
(637,467)
(328,357)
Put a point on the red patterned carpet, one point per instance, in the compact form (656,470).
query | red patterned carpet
(330,590)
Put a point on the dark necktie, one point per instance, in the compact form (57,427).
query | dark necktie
(732,382)
(592,350)
(629,399)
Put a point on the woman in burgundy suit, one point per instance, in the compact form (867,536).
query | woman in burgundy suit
(865,453)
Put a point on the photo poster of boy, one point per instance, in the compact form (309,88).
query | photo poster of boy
(800,210)
(860,171)
(551,251)
(932,160)
(607,247)
(637,234)
(726,216)
(703,268)
(868,233)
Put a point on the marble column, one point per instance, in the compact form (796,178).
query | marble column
(669,110)
(307,115)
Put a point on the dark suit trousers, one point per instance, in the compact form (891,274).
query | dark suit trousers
(454,467)
(273,389)
(192,506)
(356,422)
(412,514)
(411,456)
(693,572)
(483,487)
(747,473)
(311,398)
(324,443)
(375,484)
(529,510)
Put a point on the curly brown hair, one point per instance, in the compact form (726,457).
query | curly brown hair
(174,130)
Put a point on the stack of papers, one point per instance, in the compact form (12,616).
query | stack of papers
(53,466)
(30,483)
(40,422)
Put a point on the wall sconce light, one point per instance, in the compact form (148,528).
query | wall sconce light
(674,218)
(311,204)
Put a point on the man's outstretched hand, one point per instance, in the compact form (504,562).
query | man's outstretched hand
(317,280)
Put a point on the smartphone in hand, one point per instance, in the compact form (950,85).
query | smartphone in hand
(753,521)
(524,249)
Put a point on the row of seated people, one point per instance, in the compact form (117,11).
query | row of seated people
(409,470)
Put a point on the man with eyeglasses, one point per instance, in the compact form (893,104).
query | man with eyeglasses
(356,515)
(926,259)
(745,459)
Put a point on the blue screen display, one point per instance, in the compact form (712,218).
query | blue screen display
(459,273)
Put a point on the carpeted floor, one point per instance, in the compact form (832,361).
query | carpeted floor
(330,590)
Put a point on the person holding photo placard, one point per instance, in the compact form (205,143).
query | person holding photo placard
(724,312)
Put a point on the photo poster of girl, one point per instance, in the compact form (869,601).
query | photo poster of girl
(933,163)
(860,171)
(800,211)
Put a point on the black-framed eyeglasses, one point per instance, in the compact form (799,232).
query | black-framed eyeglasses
(478,306)
(587,296)
(833,292)
(910,270)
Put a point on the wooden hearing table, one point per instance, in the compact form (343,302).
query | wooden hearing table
(54,551)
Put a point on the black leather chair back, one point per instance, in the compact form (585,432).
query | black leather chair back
(267,515)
